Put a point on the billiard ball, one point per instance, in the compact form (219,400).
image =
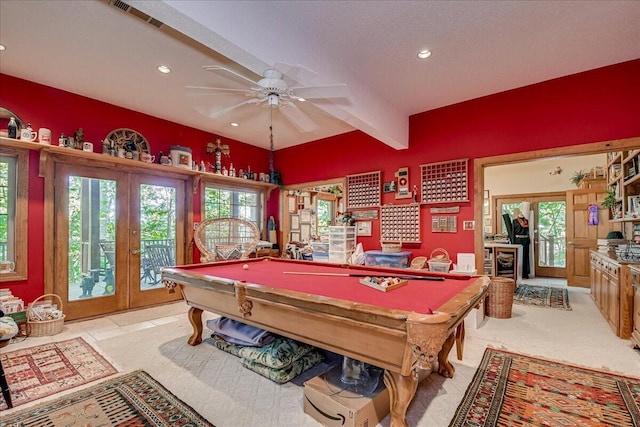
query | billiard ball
(246,266)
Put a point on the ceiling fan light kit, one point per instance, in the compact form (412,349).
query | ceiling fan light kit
(273,91)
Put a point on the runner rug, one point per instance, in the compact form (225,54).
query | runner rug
(36,372)
(511,389)
(542,296)
(133,399)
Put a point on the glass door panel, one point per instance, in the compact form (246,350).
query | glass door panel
(552,225)
(156,236)
(91,238)
(89,234)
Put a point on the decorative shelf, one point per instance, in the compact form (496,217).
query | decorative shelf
(129,165)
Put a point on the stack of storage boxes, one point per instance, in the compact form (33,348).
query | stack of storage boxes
(320,251)
(342,243)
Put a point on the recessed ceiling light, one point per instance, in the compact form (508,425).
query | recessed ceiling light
(301,99)
(164,69)
(2,47)
(424,54)
(234,124)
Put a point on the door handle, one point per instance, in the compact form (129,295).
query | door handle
(135,251)
(571,243)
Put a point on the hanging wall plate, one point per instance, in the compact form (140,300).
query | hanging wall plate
(128,138)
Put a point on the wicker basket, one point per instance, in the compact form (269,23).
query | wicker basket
(500,297)
(439,261)
(391,246)
(43,328)
(418,263)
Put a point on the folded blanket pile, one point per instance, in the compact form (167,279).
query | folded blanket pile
(273,356)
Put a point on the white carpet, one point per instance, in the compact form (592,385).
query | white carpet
(215,384)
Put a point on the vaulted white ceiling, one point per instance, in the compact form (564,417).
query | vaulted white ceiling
(95,49)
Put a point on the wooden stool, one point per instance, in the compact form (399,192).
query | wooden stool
(6,393)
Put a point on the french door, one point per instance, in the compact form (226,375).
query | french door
(549,220)
(109,231)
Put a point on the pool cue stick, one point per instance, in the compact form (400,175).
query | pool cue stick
(308,273)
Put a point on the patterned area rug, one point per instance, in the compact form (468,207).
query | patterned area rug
(132,400)
(542,296)
(36,372)
(510,389)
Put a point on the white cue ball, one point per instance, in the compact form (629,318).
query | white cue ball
(246,266)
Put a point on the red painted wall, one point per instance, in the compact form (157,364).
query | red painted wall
(593,106)
(61,111)
(597,105)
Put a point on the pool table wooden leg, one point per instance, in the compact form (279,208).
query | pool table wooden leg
(401,391)
(195,318)
(445,368)
(460,334)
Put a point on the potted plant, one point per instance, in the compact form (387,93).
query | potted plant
(610,201)
(578,176)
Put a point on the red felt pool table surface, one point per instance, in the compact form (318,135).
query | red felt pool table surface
(421,296)
(403,331)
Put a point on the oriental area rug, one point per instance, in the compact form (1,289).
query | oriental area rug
(131,400)
(542,296)
(39,371)
(511,389)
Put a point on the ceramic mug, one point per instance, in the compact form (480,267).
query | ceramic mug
(146,157)
(44,136)
(27,134)
(87,146)
(7,266)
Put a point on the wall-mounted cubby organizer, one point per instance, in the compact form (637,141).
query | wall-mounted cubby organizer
(400,223)
(363,190)
(445,182)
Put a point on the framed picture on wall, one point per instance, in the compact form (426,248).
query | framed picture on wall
(292,202)
(363,228)
(305,215)
(295,222)
(305,232)
(295,236)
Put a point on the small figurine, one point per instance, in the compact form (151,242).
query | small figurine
(78,139)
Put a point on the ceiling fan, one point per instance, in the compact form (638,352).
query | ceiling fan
(274,92)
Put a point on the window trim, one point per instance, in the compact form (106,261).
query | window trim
(21,218)
(262,200)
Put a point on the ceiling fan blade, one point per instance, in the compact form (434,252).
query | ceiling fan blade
(340,90)
(219,113)
(297,73)
(206,90)
(233,74)
(298,118)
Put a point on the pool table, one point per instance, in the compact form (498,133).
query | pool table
(403,330)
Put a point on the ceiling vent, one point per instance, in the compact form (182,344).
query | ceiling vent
(135,12)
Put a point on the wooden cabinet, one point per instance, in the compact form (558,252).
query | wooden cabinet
(635,304)
(612,291)
(505,260)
